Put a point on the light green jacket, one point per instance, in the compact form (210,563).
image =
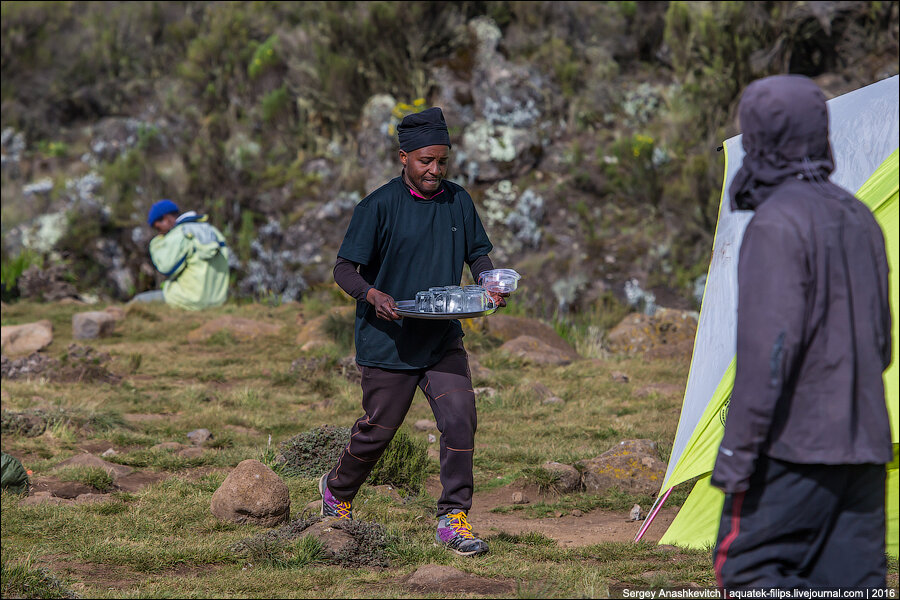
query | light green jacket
(194,257)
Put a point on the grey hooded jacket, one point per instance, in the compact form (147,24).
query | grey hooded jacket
(814,323)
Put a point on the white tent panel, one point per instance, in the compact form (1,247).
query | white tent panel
(864,130)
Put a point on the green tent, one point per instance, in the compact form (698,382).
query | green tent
(864,136)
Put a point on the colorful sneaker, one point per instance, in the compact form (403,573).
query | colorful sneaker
(331,506)
(454,531)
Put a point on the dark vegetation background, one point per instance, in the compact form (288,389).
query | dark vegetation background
(585,131)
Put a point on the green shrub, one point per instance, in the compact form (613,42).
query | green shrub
(341,329)
(264,57)
(290,546)
(11,269)
(312,453)
(404,463)
(275,103)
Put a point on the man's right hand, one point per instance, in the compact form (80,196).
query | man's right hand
(385,307)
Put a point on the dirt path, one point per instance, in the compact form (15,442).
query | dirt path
(569,530)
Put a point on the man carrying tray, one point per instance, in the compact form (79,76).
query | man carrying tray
(413,233)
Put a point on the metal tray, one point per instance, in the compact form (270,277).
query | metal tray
(407,308)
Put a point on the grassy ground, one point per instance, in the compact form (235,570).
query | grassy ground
(164,542)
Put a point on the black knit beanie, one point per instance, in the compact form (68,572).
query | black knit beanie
(426,128)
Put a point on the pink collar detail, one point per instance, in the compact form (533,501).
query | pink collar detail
(418,195)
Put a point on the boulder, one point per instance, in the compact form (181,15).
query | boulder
(139,480)
(71,489)
(540,391)
(334,540)
(92,324)
(479,372)
(313,334)
(89,460)
(168,447)
(242,329)
(568,479)
(48,284)
(116,312)
(508,328)
(443,580)
(658,389)
(632,466)
(199,436)
(375,139)
(252,493)
(656,335)
(26,338)
(535,351)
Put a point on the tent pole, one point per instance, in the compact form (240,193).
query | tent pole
(653,510)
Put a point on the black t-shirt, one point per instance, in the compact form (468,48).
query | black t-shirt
(405,244)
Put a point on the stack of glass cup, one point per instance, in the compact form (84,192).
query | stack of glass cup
(453,299)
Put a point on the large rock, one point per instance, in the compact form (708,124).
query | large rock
(446,581)
(376,140)
(49,284)
(666,329)
(242,329)
(508,328)
(89,460)
(632,466)
(93,324)
(252,493)
(535,351)
(313,334)
(334,540)
(27,338)
(568,479)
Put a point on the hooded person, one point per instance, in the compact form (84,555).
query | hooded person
(802,459)
(415,232)
(192,254)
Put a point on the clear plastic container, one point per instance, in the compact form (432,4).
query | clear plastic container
(503,281)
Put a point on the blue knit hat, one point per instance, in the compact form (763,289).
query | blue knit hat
(426,128)
(161,209)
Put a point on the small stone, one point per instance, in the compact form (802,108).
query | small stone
(540,390)
(519,498)
(635,514)
(199,436)
(93,324)
(553,400)
(487,392)
(168,446)
(116,312)
(431,438)
(109,452)
(190,452)
(425,425)
(577,513)
(558,514)
(619,377)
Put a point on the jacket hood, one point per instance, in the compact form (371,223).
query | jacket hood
(785,134)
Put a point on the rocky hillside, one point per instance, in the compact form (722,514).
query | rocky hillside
(585,131)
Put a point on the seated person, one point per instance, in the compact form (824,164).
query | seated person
(193,255)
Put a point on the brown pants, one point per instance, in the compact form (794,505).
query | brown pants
(387,396)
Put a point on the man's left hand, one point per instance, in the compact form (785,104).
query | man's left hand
(498,299)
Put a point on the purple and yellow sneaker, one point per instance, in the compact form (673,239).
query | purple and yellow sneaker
(454,531)
(331,506)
